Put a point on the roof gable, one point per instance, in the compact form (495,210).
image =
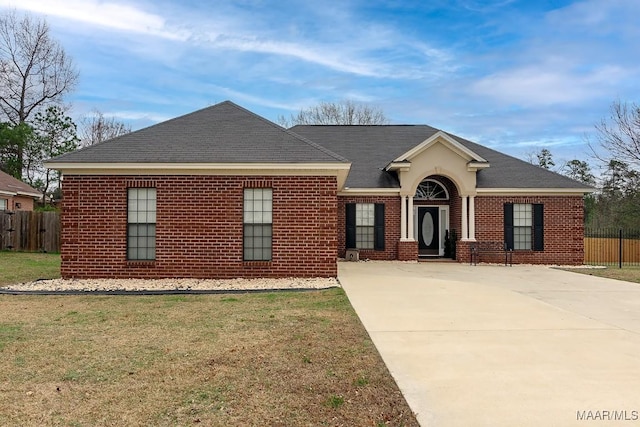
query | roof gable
(445,139)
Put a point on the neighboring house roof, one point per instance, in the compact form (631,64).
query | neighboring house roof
(223,133)
(10,186)
(371,148)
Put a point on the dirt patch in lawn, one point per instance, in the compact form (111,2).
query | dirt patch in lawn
(295,358)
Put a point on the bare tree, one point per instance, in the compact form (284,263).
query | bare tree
(336,113)
(619,135)
(97,128)
(35,72)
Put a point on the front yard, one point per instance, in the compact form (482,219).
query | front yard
(295,358)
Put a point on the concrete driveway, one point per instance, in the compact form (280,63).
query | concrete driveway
(503,346)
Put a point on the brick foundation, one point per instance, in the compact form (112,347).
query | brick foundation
(407,251)
(199,230)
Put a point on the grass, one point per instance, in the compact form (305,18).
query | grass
(251,359)
(626,273)
(17,267)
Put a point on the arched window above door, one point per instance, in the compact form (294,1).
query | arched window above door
(430,189)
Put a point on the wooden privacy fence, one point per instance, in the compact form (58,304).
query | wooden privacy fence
(30,231)
(612,246)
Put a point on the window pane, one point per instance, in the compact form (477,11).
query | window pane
(522,221)
(258,207)
(522,238)
(522,215)
(141,216)
(364,237)
(365,214)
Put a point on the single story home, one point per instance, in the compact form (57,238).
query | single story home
(222,192)
(15,195)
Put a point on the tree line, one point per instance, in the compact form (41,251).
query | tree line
(36,76)
(615,149)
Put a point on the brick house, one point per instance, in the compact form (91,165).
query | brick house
(15,195)
(224,193)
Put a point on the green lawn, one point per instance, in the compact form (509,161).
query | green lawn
(276,359)
(18,267)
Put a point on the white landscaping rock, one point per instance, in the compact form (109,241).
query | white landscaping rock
(173,284)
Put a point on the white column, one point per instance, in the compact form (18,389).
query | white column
(410,221)
(472,218)
(403,218)
(465,223)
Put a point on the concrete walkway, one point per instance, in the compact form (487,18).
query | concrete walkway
(503,346)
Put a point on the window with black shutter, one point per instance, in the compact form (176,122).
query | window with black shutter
(365,226)
(524,226)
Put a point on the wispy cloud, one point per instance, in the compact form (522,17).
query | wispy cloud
(112,15)
(127,116)
(359,56)
(329,57)
(544,84)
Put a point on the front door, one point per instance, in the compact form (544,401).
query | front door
(428,230)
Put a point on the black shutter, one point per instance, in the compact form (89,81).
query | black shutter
(508,225)
(350,210)
(538,227)
(378,237)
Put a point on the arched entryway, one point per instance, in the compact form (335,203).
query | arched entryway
(433,203)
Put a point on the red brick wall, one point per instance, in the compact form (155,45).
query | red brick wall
(563,228)
(408,251)
(199,227)
(391,226)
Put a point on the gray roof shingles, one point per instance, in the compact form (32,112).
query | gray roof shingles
(13,185)
(228,133)
(371,148)
(223,133)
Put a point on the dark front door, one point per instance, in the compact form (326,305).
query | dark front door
(428,235)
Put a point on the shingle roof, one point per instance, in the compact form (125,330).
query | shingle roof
(228,133)
(13,186)
(371,148)
(223,133)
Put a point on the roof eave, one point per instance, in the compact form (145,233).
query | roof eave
(533,191)
(402,166)
(475,166)
(21,194)
(338,169)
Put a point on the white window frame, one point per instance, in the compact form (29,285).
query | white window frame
(257,224)
(141,223)
(522,226)
(365,225)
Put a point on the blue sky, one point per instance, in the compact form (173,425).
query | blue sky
(516,76)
